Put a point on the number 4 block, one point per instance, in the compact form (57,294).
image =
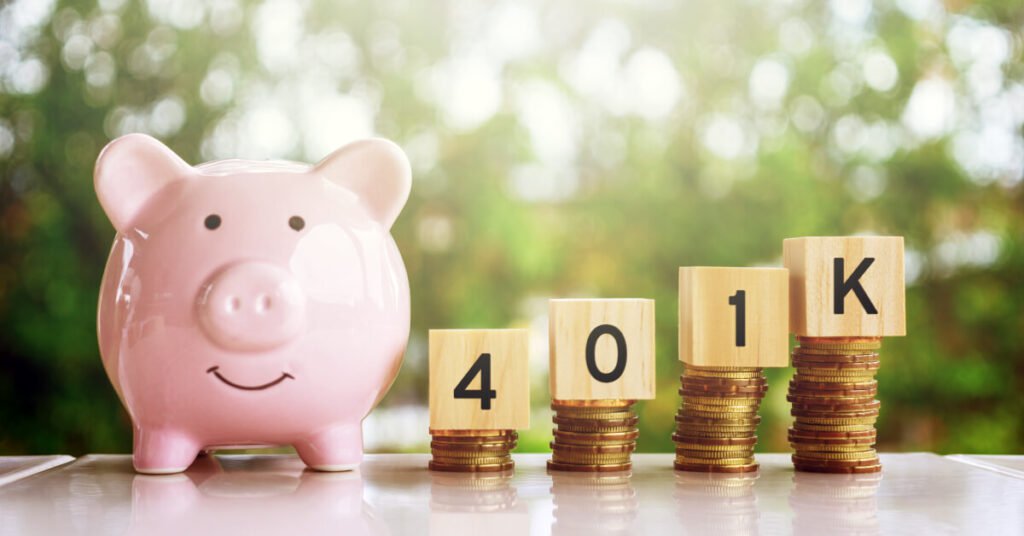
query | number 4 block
(736,317)
(602,349)
(479,379)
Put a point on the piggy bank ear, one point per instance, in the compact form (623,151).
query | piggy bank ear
(377,171)
(129,171)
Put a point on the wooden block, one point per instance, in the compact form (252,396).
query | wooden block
(846,286)
(479,379)
(736,317)
(602,349)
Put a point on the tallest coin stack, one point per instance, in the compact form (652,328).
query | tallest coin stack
(834,405)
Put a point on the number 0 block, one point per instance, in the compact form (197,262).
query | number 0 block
(736,317)
(846,286)
(479,379)
(602,349)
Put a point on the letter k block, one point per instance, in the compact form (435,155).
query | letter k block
(846,286)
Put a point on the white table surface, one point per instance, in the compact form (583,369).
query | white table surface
(395,494)
(17,467)
(1010,465)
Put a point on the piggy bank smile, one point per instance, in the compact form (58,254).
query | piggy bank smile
(215,371)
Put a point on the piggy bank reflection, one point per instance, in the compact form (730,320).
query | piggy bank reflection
(251,303)
(208,500)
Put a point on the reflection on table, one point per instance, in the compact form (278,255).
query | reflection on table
(282,500)
(269,495)
(593,503)
(716,503)
(475,503)
(837,504)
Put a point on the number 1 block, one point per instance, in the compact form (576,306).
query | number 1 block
(602,349)
(734,317)
(849,286)
(479,379)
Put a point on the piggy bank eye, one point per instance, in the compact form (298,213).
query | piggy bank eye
(212,222)
(296,222)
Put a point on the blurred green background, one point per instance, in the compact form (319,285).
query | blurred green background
(584,148)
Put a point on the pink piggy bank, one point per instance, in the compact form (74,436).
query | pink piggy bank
(251,303)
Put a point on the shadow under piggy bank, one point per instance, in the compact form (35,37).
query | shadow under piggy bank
(247,496)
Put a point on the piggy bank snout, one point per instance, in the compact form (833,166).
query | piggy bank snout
(251,306)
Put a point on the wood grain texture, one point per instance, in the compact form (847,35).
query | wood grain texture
(707,321)
(452,353)
(810,261)
(571,324)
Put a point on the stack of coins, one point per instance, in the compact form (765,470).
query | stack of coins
(833,396)
(471,451)
(717,424)
(593,435)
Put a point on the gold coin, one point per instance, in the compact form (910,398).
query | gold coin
(610,403)
(826,373)
(856,470)
(737,378)
(594,459)
(589,411)
(837,420)
(595,443)
(589,428)
(838,368)
(837,362)
(839,342)
(722,375)
(719,408)
(602,449)
(458,468)
(703,468)
(688,445)
(825,447)
(833,428)
(455,445)
(723,369)
(866,454)
(724,419)
(716,461)
(461,453)
(559,419)
(714,455)
(605,436)
(837,373)
(682,416)
(696,435)
(830,400)
(478,460)
(835,380)
(597,416)
(592,468)
(474,433)
(721,401)
(680,438)
(590,459)
(686,429)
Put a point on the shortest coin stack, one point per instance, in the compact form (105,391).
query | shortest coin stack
(717,424)
(593,435)
(472,451)
(834,406)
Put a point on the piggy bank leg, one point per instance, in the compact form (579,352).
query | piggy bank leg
(159,452)
(338,448)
